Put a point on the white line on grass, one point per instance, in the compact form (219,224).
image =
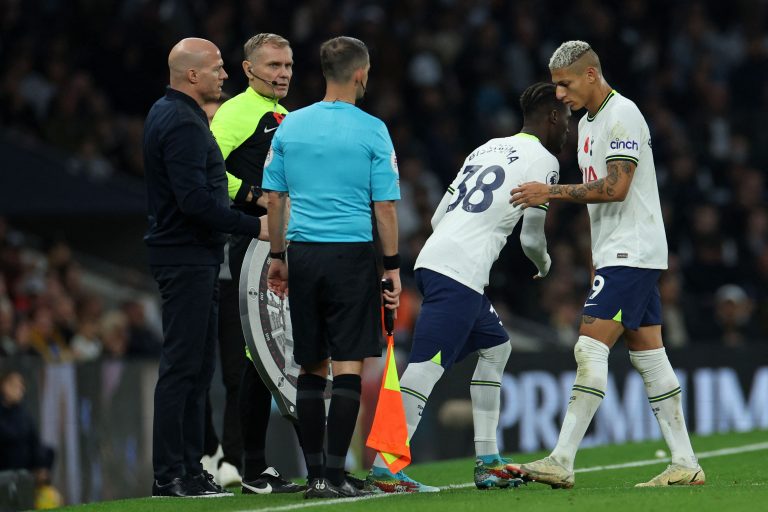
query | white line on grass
(703,455)
(648,462)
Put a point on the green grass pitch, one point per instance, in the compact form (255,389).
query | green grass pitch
(736,480)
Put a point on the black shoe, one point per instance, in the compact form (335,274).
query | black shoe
(203,486)
(175,488)
(358,483)
(270,482)
(321,488)
(349,490)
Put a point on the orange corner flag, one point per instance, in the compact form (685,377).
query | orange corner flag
(389,433)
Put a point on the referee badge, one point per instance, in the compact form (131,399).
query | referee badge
(393,163)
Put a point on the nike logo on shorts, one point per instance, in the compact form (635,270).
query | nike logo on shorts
(593,304)
(267,130)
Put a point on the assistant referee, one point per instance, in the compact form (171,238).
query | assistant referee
(333,160)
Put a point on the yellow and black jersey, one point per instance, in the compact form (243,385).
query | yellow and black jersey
(243,127)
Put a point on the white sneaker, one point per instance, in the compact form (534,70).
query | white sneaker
(211,462)
(675,474)
(228,475)
(545,471)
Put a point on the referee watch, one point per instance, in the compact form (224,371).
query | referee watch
(256,192)
(279,255)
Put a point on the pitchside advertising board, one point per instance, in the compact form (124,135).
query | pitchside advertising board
(723,391)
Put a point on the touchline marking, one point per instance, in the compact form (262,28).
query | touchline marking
(648,462)
(703,455)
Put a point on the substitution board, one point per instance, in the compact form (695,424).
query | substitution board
(266,321)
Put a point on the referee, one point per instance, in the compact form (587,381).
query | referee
(333,160)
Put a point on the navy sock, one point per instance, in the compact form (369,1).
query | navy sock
(310,408)
(342,417)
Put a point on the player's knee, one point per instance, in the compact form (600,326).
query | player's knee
(589,350)
(496,355)
(425,372)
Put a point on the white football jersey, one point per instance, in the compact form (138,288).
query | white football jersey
(479,218)
(628,233)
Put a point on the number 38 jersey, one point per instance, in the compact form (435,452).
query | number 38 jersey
(629,233)
(478,217)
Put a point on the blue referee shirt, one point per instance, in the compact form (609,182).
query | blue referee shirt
(333,159)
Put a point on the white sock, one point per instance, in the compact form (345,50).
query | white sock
(663,391)
(415,387)
(586,396)
(485,389)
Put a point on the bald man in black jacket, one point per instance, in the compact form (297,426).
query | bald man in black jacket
(188,216)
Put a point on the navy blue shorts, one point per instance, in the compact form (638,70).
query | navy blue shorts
(454,321)
(625,294)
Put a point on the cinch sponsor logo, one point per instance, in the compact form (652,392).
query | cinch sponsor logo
(624,144)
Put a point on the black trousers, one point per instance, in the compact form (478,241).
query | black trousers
(190,300)
(245,425)
(233,360)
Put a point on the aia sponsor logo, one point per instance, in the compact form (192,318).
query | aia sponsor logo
(624,144)
(588,174)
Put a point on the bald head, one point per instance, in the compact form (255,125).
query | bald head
(196,69)
(190,53)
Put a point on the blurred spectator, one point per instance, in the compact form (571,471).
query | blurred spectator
(142,341)
(710,254)
(8,346)
(86,345)
(734,323)
(20,444)
(674,325)
(46,339)
(114,334)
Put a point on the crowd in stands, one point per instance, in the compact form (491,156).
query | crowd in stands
(47,311)
(446,76)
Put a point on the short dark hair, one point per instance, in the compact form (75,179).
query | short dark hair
(341,56)
(538,97)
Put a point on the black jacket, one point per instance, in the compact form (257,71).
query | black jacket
(188,206)
(19,441)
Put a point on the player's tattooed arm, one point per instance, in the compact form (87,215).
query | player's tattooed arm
(614,187)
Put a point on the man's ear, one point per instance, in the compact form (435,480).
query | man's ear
(554,115)
(248,69)
(192,76)
(591,74)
